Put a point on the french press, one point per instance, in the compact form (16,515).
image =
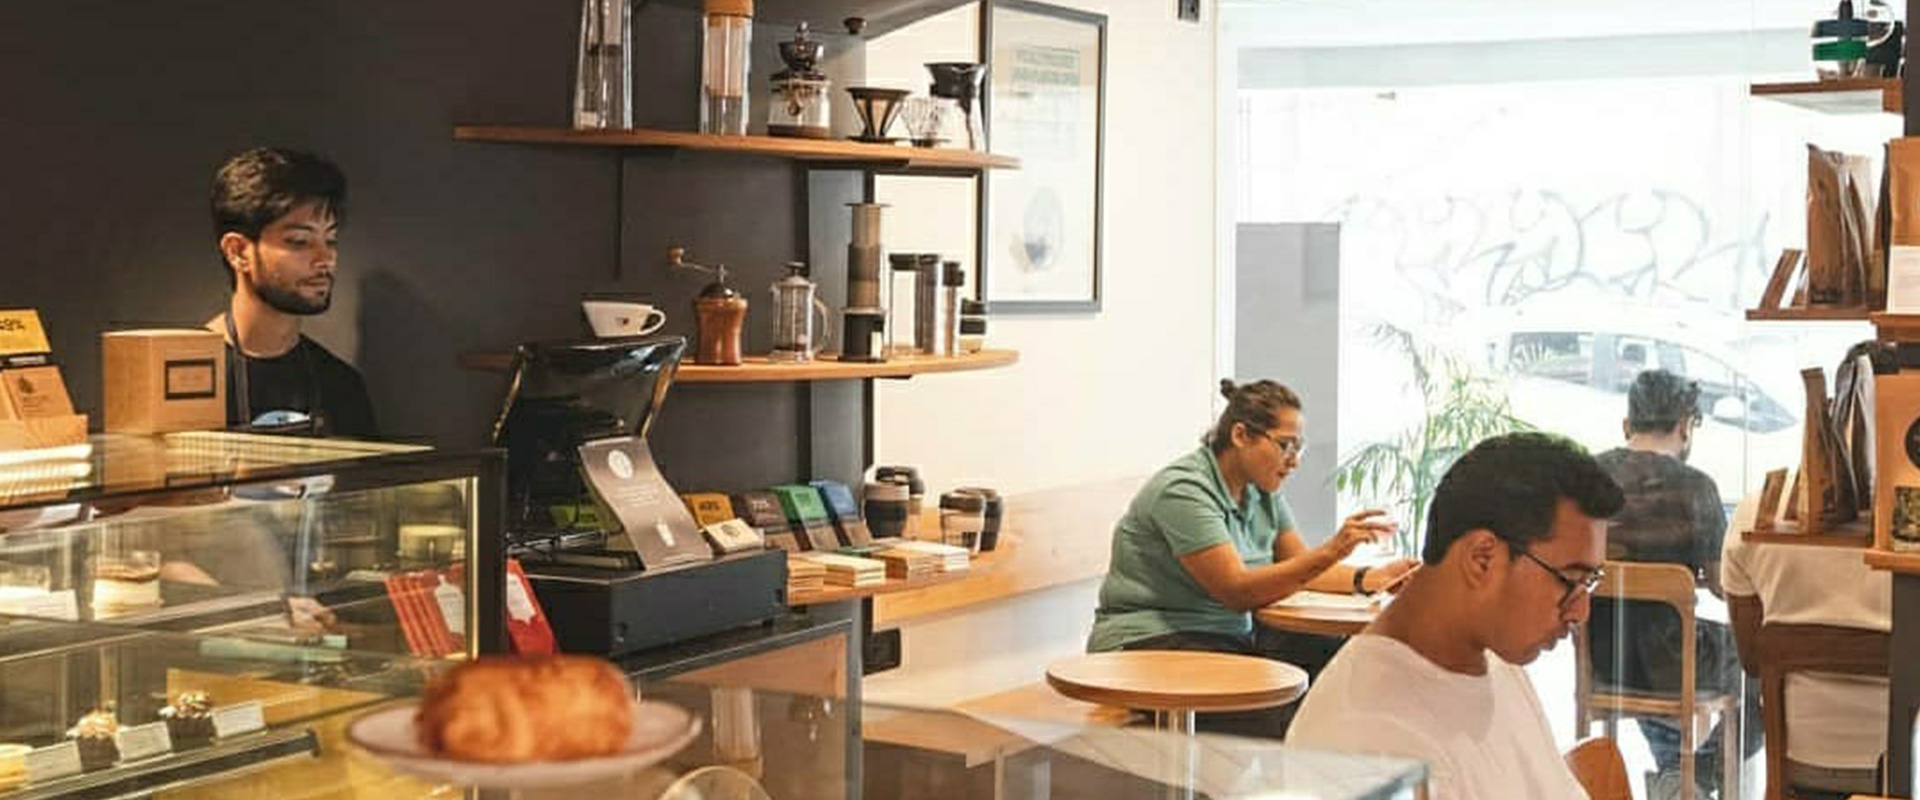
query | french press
(794,304)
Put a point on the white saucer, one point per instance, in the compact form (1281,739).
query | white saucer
(659,731)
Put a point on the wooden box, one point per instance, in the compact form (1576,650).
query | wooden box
(161,381)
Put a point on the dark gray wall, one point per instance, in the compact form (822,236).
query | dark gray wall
(1286,327)
(114,114)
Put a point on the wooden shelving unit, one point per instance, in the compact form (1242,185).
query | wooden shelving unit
(759,370)
(897,157)
(1817,314)
(1857,535)
(1851,96)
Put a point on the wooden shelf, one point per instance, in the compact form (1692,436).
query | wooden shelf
(1851,96)
(1906,563)
(1895,327)
(758,370)
(1857,534)
(1812,314)
(1051,537)
(890,157)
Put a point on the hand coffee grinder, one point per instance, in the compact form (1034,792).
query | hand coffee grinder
(719,311)
(864,320)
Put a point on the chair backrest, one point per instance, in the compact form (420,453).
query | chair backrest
(1670,585)
(1784,649)
(1597,764)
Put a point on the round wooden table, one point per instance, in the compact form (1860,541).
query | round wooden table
(1317,620)
(1174,685)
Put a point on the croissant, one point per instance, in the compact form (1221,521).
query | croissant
(507,710)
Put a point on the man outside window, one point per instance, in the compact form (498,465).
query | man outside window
(1673,515)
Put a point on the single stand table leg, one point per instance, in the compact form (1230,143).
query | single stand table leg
(1178,768)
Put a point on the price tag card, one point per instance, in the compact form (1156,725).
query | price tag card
(239,718)
(519,606)
(453,606)
(144,741)
(53,763)
(20,332)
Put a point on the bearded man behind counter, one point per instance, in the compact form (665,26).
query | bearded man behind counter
(277,214)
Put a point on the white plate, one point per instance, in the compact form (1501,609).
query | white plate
(659,731)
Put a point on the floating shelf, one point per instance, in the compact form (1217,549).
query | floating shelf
(1813,314)
(759,370)
(1857,535)
(1851,96)
(1896,327)
(825,151)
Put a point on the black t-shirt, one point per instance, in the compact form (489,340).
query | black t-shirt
(1673,515)
(303,379)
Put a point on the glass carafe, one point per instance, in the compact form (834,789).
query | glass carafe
(602,93)
(796,336)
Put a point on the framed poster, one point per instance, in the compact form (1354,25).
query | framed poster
(1046,105)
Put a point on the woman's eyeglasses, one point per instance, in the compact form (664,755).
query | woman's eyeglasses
(1290,446)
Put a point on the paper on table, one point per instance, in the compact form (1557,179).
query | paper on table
(1312,599)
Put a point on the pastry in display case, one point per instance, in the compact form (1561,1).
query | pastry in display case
(98,736)
(189,720)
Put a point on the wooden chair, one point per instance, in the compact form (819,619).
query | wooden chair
(1785,649)
(1597,764)
(1692,711)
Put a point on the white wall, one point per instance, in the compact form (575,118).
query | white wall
(1094,397)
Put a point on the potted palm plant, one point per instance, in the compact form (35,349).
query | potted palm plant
(1459,407)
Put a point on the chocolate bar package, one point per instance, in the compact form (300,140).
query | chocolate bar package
(844,512)
(761,509)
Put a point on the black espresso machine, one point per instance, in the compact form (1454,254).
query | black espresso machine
(616,560)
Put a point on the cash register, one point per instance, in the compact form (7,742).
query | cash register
(616,560)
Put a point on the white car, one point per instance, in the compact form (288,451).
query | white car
(1569,376)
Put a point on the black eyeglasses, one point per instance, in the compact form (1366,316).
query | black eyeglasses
(1585,584)
(1290,446)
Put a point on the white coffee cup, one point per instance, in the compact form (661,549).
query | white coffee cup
(611,318)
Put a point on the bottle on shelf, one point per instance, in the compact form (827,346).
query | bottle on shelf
(724,59)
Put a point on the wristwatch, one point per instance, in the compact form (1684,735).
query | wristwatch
(1360,580)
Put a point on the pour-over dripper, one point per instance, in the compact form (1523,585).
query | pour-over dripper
(877,108)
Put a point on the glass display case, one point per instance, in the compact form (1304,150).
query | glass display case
(759,744)
(91,710)
(359,546)
(187,610)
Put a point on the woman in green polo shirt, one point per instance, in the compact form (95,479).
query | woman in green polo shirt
(1209,539)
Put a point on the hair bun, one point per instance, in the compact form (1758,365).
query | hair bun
(1227,389)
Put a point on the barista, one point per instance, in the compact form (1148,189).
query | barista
(277,213)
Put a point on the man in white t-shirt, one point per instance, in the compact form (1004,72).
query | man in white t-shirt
(1516,535)
(1838,723)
